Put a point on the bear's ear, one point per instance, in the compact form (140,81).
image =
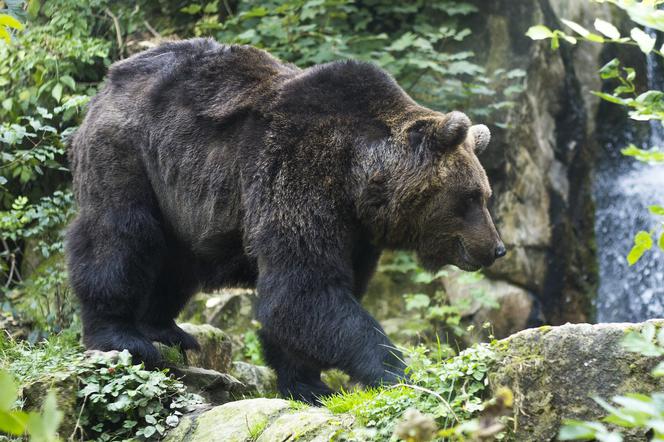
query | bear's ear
(480,136)
(454,129)
(440,134)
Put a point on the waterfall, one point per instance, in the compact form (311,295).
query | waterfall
(624,188)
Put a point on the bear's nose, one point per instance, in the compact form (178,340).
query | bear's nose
(500,250)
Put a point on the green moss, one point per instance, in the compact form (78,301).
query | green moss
(172,355)
(545,329)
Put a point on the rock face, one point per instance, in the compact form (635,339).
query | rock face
(555,371)
(540,165)
(260,420)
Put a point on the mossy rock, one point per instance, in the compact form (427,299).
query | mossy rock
(215,352)
(258,420)
(555,371)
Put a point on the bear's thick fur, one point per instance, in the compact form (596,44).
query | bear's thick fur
(201,165)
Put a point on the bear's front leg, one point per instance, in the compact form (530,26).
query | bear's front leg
(311,321)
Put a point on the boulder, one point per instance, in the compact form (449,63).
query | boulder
(224,308)
(216,388)
(215,352)
(260,420)
(555,371)
(255,379)
(508,308)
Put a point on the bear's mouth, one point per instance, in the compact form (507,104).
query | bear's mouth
(467,262)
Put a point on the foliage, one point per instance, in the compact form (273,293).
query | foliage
(116,399)
(41,427)
(50,70)
(647,106)
(252,349)
(7,23)
(631,411)
(430,304)
(417,42)
(122,400)
(46,75)
(448,389)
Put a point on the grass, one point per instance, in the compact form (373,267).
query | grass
(31,362)
(451,390)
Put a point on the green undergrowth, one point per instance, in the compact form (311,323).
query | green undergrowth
(103,397)
(451,391)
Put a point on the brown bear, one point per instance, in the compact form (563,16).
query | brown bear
(201,165)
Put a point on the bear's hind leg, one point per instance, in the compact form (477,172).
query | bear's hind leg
(174,286)
(296,378)
(113,259)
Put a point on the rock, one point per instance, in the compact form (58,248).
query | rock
(507,307)
(65,384)
(260,420)
(309,424)
(215,352)
(255,379)
(216,388)
(540,164)
(223,308)
(554,371)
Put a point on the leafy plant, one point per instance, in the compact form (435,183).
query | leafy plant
(121,400)
(46,77)
(416,42)
(430,304)
(41,427)
(117,399)
(646,106)
(7,23)
(450,390)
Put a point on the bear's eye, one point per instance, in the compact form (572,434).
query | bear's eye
(468,202)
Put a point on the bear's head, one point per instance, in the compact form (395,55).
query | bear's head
(425,190)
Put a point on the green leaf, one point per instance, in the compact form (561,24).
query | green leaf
(8,390)
(646,156)
(191,9)
(577,430)
(607,29)
(658,371)
(10,22)
(57,92)
(5,35)
(640,404)
(13,422)
(539,32)
(610,70)
(583,32)
(656,210)
(50,418)
(417,301)
(610,98)
(646,42)
(33,8)
(68,81)
(642,243)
